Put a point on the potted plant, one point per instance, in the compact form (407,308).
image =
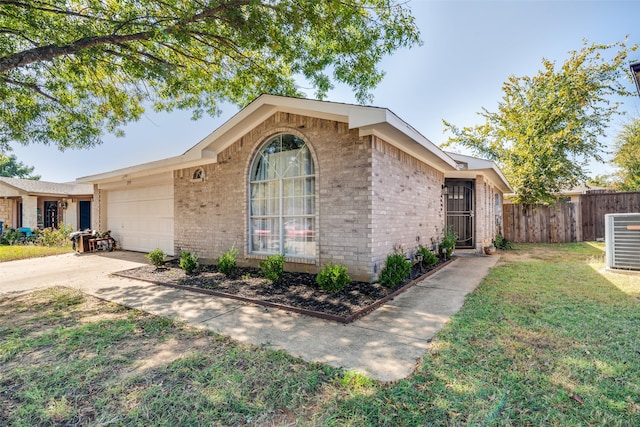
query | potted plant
(490,250)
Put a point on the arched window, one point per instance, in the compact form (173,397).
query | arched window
(282,199)
(198,175)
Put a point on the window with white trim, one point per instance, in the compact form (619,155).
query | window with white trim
(198,175)
(282,201)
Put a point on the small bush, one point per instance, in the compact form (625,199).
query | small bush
(395,270)
(333,277)
(272,267)
(188,262)
(156,257)
(52,237)
(448,243)
(502,243)
(429,259)
(227,261)
(10,236)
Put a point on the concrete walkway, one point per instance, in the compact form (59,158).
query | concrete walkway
(384,344)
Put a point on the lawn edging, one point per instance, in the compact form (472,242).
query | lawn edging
(340,319)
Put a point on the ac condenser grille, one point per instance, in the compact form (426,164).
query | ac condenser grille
(622,239)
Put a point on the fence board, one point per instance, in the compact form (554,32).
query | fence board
(540,224)
(596,206)
(566,222)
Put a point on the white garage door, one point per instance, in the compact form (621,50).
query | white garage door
(141,219)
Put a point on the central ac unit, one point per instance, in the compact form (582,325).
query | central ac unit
(622,241)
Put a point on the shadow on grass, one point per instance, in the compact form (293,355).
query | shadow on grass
(67,359)
(545,340)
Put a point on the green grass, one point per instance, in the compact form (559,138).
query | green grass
(15,252)
(548,338)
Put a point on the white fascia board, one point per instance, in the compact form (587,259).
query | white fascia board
(367,119)
(399,134)
(408,130)
(477,164)
(493,175)
(377,118)
(229,132)
(408,145)
(260,110)
(127,181)
(144,169)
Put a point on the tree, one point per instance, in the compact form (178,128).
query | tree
(627,156)
(72,69)
(12,168)
(548,127)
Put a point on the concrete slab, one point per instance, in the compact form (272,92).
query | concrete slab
(384,344)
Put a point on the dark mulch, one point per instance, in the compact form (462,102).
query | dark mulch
(297,290)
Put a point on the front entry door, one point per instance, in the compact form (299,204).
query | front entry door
(50,214)
(460,206)
(85,215)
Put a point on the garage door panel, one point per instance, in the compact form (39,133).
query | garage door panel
(151,208)
(141,219)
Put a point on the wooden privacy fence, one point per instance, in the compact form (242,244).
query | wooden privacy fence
(566,222)
(537,223)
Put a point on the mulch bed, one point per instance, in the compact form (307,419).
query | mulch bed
(297,292)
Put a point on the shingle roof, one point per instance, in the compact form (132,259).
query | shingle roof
(43,187)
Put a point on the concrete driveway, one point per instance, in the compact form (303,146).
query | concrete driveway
(384,345)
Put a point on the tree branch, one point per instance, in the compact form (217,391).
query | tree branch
(49,52)
(41,7)
(33,87)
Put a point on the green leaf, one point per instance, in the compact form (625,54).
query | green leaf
(72,70)
(548,127)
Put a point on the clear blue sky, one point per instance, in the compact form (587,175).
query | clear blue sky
(470,48)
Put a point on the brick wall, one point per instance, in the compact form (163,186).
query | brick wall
(486,212)
(211,215)
(361,214)
(7,212)
(407,202)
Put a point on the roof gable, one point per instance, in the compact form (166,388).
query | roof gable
(376,121)
(369,120)
(473,165)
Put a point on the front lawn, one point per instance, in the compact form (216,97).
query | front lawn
(546,339)
(15,252)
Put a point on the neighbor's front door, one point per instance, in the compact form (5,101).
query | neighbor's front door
(460,210)
(85,215)
(50,214)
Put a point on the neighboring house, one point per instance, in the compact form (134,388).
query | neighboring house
(316,181)
(40,204)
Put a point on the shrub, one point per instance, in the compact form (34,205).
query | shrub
(333,277)
(272,267)
(156,257)
(227,261)
(396,269)
(54,237)
(448,243)
(429,259)
(502,243)
(10,236)
(188,262)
